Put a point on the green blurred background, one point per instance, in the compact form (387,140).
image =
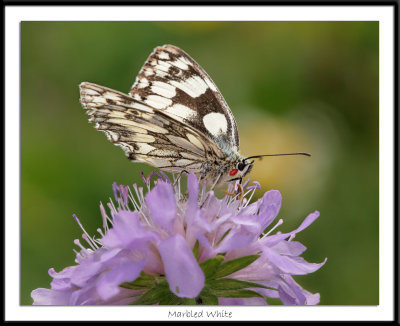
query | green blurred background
(292,86)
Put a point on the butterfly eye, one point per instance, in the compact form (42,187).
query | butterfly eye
(241,166)
(233,172)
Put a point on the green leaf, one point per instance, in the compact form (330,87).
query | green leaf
(188,301)
(232,284)
(235,265)
(154,295)
(144,281)
(239,293)
(196,250)
(210,266)
(206,297)
(170,300)
(209,300)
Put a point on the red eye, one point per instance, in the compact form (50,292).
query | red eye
(233,172)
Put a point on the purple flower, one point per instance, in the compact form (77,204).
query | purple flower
(165,247)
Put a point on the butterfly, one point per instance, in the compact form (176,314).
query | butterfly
(174,118)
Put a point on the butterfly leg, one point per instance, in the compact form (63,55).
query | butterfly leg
(239,192)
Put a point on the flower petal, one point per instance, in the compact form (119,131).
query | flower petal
(269,208)
(235,239)
(248,222)
(251,209)
(267,292)
(184,275)
(127,232)
(46,297)
(84,296)
(65,273)
(162,204)
(85,272)
(193,188)
(290,248)
(292,293)
(307,222)
(274,239)
(208,250)
(241,302)
(291,264)
(108,285)
(221,225)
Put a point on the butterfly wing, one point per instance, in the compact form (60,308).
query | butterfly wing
(145,133)
(172,82)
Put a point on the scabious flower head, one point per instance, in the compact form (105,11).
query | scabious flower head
(160,246)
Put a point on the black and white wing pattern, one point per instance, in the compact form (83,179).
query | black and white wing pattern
(173,83)
(145,133)
(173,118)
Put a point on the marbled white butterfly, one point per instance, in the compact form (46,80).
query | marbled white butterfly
(173,118)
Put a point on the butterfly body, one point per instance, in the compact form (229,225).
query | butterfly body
(173,118)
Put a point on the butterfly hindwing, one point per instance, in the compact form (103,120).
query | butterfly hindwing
(173,83)
(145,133)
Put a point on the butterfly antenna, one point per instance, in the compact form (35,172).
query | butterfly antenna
(258,156)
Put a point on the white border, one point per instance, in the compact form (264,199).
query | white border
(383,14)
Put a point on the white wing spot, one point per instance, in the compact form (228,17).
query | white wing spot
(142,107)
(118,114)
(193,86)
(163,55)
(195,141)
(163,89)
(143,83)
(160,73)
(144,148)
(211,85)
(148,72)
(183,59)
(180,64)
(215,123)
(163,66)
(181,142)
(153,127)
(157,162)
(182,111)
(182,162)
(99,99)
(158,102)
(138,127)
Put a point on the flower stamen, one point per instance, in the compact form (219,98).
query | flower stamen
(280,222)
(90,241)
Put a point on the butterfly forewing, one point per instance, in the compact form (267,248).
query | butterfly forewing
(173,83)
(145,133)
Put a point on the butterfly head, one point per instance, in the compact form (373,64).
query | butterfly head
(240,168)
